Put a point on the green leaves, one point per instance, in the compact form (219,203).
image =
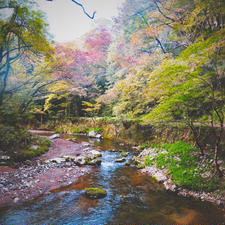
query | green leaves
(185,85)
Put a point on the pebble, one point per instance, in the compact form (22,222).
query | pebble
(219,202)
(5,189)
(16,200)
(26,176)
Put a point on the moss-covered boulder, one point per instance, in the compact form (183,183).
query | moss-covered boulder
(93,192)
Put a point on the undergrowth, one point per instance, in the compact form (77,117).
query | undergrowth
(43,146)
(97,130)
(183,164)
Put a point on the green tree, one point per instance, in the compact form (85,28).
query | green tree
(192,85)
(22,34)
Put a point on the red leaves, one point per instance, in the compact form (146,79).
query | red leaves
(98,40)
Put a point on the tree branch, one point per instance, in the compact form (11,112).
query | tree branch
(156,39)
(157,6)
(84,10)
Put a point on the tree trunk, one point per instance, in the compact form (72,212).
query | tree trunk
(217,167)
(4,83)
(217,148)
(196,137)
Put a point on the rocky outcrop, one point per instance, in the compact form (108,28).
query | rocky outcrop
(91,157)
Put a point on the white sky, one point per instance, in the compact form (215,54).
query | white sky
(67,20)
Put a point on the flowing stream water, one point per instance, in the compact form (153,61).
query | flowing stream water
(132,198)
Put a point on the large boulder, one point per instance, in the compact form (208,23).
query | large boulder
(93,192)
(124,154)
(98,136)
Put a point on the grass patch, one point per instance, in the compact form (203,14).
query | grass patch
(58,130)
(43,144)
(75,130)
(148,161)
(183,164)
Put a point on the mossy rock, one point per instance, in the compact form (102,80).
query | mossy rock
(95,193)
(140,166)
(93,162)
(125,154)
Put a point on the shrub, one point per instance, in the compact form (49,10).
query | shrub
(13,138)
(44,145)
(97,130)
(76,130)
(148,161)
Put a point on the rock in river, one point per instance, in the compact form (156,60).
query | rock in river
(120,160)
(95,193)
(96,153)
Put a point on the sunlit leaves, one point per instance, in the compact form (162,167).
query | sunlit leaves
(184,87)
(91,107)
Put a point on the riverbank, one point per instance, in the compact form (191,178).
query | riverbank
(181,169)
(43,174)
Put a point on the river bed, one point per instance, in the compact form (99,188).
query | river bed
(132,198)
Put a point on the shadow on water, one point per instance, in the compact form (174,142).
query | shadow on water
(132,198)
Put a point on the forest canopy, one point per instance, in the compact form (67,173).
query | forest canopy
(158,60)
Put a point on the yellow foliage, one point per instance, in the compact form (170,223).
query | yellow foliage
(91,107)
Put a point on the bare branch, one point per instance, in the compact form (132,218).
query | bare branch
(167,17)
(84,10)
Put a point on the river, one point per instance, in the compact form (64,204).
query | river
(132,198)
